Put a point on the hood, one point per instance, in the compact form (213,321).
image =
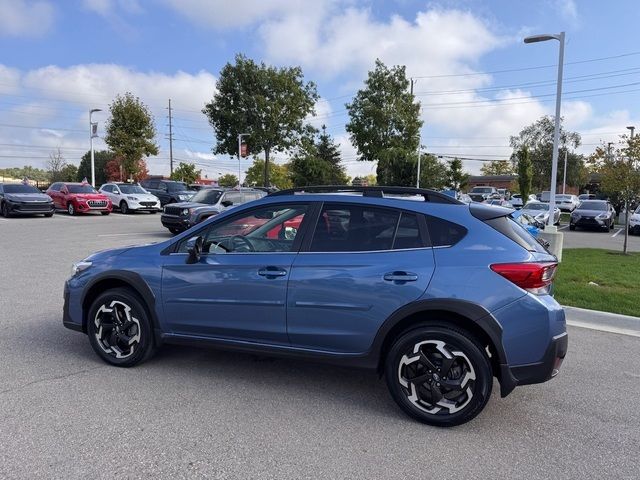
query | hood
(185,192)
(590,213)
(89,196)
(28,197)
(145,197)
(201,207)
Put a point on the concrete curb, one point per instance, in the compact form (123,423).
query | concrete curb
(603,321)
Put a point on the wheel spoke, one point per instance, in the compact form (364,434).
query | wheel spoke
(436,394)
(427,363)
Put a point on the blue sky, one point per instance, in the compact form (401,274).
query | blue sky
(61,58)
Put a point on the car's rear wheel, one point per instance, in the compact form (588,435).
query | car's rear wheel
(119,328)
(439,375)
(71,209)
(124,208)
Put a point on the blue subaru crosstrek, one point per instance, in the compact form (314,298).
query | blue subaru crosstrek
(437,295)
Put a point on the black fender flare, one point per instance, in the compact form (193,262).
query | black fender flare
(479,317)
(133,279)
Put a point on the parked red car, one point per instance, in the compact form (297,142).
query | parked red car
(78,198)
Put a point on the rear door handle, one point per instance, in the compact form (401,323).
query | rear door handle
(272,272)
(400,277)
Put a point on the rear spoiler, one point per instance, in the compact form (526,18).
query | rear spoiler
(488,212)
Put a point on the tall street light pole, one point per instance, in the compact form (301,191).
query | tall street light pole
(240,156)
(93,132)
(556,133)
(564,176)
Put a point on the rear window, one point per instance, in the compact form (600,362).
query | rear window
(516,232)
(444,233)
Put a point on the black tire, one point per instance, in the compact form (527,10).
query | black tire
(572,227)
(469,369)
(175,231)
(105,213)
(48,215)
(612,225)
(71,209)
(124,208)
(4,210)
(153,212)
(122,312)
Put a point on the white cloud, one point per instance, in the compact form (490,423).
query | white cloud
(58,100)
(568,9)
(107,8)
(23,18)
(225,15)
(101,7)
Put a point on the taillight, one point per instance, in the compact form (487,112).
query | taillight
(533,277)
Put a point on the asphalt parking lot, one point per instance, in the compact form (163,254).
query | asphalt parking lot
(612,240)
(199,413)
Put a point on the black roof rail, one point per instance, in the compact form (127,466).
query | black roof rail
(376,191)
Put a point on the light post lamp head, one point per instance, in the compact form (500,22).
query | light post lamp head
(541,38)
(94,110)
(631,128)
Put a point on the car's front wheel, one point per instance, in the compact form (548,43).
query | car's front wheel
(439,375)
(5,210)
(71,209)
(119,328)
(124,208)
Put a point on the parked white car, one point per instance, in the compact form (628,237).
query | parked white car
(634,222)
(567,203)
(540,211)
(130,197)
(517,202)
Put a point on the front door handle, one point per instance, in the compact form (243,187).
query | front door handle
(272,272)
(400,277)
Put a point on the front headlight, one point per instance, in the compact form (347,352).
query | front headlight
(185,211)
(602,216)
(76,268)
(184,197)
(132,198)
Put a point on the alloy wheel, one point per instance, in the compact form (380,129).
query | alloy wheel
(436,377)
(70,209)
(117,330)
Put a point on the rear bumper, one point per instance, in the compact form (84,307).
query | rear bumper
(548,367)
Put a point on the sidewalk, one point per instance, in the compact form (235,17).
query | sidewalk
(603,321)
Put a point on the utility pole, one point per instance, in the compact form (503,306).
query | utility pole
(170,141)
(564,177)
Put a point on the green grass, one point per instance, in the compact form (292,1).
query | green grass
(564,218)
(617,276)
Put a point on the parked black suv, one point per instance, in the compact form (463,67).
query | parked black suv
(168,191)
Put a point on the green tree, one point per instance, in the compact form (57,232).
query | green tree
(278,175)
(384,124)
(433,173)
(497,167)
(457,178)
(100,160)
(525,172)
(228,180)
(620,172)
(130,133)
(538,138)
(317,162)
(269,103)
(69,173)
(186,172)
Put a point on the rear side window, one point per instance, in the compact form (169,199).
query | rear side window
(516,232)
(444,233)
(354,228)
(408,234)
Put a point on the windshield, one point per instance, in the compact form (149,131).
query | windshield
(128,189)
(208,196)
(564,197)
(177,186)
(536,206)
(81,189)
(482,190)
(20,189)
(593,205)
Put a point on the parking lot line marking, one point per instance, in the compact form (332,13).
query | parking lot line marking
(604,328)
(615,234)
(562,228)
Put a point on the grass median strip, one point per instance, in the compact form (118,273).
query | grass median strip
(599,279)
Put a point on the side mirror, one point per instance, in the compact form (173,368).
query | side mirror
(194,249)
(226,203)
